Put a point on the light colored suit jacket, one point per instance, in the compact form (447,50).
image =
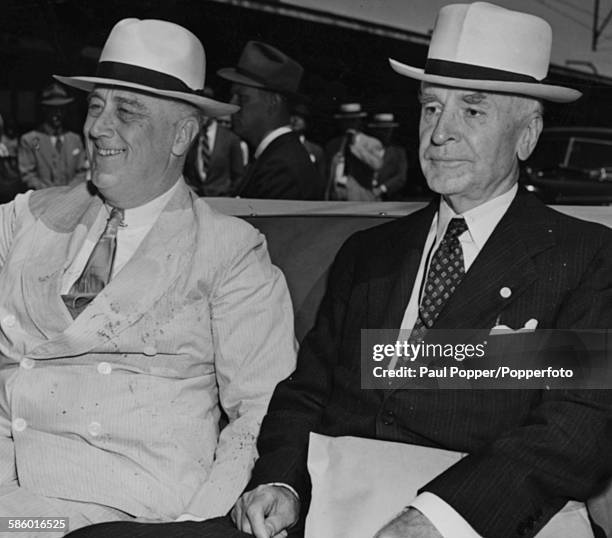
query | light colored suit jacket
(120,406)
(41,165)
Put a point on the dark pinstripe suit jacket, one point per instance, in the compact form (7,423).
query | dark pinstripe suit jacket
(530,451)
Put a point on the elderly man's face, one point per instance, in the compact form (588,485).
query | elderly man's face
(470,141)
(129,138)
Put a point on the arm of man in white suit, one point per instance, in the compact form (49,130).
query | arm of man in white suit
(255,348)
(8,218)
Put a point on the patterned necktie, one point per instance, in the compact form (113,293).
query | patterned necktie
(98,269)
(445,272)
(204,153)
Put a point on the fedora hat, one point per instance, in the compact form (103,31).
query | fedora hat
(264,66)
(383,120)
(350,110)
(158,57)
(482,46)
(55,95)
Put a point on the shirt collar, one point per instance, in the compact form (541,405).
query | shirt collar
(481,220)
(272,135)
(146,215)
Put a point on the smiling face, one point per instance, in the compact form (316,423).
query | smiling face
(134,143)
(471,142)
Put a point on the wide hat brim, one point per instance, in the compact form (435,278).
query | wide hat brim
(350,115)
(538,90)
(233,75)
(57,101)
(208,106)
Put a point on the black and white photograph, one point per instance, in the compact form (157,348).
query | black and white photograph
(306,269)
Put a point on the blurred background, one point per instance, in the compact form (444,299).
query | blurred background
(343,46)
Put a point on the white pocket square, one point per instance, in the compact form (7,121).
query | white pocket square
(529,326)
(76,151)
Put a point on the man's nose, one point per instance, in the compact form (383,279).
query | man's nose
(445,128)
(101,125)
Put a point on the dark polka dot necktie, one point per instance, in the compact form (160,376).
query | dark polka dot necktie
(445,272)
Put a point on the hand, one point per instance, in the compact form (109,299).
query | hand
(266,511)
(409,524)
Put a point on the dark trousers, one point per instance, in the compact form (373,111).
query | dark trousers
(220,527)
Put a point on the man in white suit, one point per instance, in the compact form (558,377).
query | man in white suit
(132,315)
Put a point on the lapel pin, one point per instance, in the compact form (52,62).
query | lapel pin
(505,292)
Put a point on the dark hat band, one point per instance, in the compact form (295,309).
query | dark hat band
(447,68)
(143,76)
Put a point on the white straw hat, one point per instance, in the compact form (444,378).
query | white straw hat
(482,46)
(157,57)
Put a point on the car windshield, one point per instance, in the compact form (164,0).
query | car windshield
(590,154)
(549,152)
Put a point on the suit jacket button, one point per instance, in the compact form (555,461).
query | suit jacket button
(104,368)
(95,428)
(26,364)
(19,424)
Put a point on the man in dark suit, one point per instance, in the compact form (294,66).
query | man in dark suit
(482,255)
(215,164)
(265,83)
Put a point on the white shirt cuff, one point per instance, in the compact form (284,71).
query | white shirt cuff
(283,485)
(443,516)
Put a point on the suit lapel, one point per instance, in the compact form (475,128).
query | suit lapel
(154,267)
(394,269)
(65,224)
(506,261)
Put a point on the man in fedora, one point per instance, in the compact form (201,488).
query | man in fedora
(482,255)
(265,83)
(51,156)
(133,316)
(390,179)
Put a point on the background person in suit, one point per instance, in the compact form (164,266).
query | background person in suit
(299,123)
(214,165)
(50,155)
(264,84)
(530,452)
(354,158)
(391,177)
(132,314)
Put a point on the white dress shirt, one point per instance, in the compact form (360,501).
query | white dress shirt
(271,136)
(136,224)
(481,222)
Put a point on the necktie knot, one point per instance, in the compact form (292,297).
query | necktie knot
(114,221)
(455,228)
(98,270)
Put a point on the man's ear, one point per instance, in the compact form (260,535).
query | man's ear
(186,131)
(529,137)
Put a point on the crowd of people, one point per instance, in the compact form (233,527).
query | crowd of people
(230,156)
(150,380)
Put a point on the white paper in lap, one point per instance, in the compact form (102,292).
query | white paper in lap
(359,484)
